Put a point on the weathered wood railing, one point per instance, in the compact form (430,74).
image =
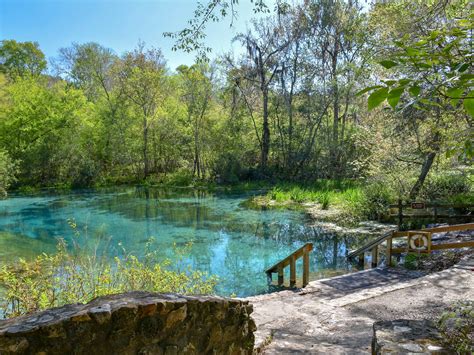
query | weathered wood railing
(431,210)
(373,247)
(291,260)
(414,239)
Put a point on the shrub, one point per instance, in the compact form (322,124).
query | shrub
(8,169)
(52,280)
(182,177)
(228,168)
(445,187)
(413,261)
(375,201)
(457,327)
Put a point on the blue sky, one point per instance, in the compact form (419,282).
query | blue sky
(117,24)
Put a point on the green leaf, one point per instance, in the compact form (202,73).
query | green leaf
(462,67)
(363,91)
(403,82)
(414,90)
(424,65)
(412,52)
(430,103)
(466,77)
(468,103)
(388,64)
(394,96)
(455,94)
(377,97)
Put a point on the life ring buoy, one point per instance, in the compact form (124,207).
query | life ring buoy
(420,246)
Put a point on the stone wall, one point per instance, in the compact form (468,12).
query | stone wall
(134,323)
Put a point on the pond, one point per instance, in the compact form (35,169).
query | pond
(228,240)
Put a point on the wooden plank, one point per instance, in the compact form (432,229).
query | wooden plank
(285,262)
(370,245)
(452,228)
(305,268)
(400,213)
(458,245)
(441,229)
(292,271)
(433,205)
(375,255)
(389,252)
(438,216)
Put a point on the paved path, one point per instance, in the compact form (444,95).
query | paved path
(336,315)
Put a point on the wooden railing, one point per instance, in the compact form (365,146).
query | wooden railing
(291,260)
(372,246)
(431,210)
(414,239)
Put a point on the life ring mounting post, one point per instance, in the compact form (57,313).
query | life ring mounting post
(419,242)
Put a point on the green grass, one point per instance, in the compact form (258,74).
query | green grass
(324,192)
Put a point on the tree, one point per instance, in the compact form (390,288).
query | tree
(259,67)
(192,38)
(21,58)
(434,78)
(93,68)
(197,94)
(40,122)
(90,67)
(142,75)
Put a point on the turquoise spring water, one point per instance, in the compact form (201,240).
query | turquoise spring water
(233,242)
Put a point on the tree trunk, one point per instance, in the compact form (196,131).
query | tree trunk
(425,169)
(429,159)
(335,126)
(266,133)
(197,164)
(145,147)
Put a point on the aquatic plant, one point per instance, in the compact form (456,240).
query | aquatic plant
(79,273)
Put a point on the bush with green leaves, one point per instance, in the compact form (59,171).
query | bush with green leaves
(181,177)
(376,197)
(80,274)
(8,170)
(457,327)
(445,187)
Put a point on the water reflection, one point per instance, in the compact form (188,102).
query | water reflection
(233,242)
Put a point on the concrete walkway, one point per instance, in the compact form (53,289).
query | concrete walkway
(336,315)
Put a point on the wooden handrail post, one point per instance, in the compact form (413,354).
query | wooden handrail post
(400,213)
(269,278)
(361,259)
(305,267)
(292,271)
(389,251)
(280,275)
(375,255)
(291,261)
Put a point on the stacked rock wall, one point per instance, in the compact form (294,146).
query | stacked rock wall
(134,323)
